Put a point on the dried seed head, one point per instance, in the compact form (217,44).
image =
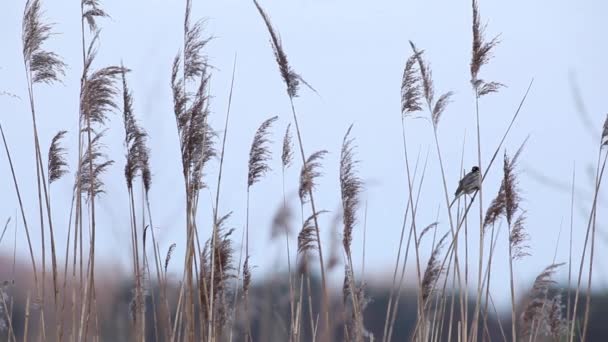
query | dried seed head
(259,155)
(287,154)
(44,66)
(481,55)
(57,166)
(350,186)
(309,173)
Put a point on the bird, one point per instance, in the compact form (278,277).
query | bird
(468,184)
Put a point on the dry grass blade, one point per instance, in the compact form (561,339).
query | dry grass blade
(44,66)
(290,77)
(481,55)
(518,238)
(57,165)
(169,254)
(410,87)
(432,272)
(440,106)
(310,171)
(535,314)
(350,186)
(260,154)
(91,12)
(287,153)
(307,239)
(91,183)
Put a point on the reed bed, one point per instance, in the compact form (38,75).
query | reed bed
(218,296)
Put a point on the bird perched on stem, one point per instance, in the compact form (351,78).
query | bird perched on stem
(468,184)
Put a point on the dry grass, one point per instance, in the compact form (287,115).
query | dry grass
(215,299)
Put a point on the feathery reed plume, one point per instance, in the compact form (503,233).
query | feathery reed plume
(290,77)
(310,171)
(605,133)
(307,239)
(57,165)
(44,66)
(224,266)
(246,276)
(169,254)
(428,90)
(432,272)
(426,75)
(91,183)
(260,152)
(410,87)
(135,142)
(180,98)
(97,95)
(201,138)
(91,11)
(536,313)
(518,238)
(350,186)
(481,55)
(512,197)
(498,205)
(558,325)
(281,222)
(440,106)
(195,63)
(426,230)
(287,153)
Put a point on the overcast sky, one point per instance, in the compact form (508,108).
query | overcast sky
(353,53)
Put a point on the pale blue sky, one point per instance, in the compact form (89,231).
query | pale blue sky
(353,53)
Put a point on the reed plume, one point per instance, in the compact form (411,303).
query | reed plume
(307,238)
(411,94)
(287,152)
(259,153)
(57,164)
(436,108)
(309,173)
(169,254)
(518,238)
(541,312)
(481,55)
(281,222)
(290,77)
(433,271)
(92,11)
(350,186)
(91,184)
(138,153)
(43,66)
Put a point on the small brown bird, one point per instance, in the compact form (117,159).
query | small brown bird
(468,184)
